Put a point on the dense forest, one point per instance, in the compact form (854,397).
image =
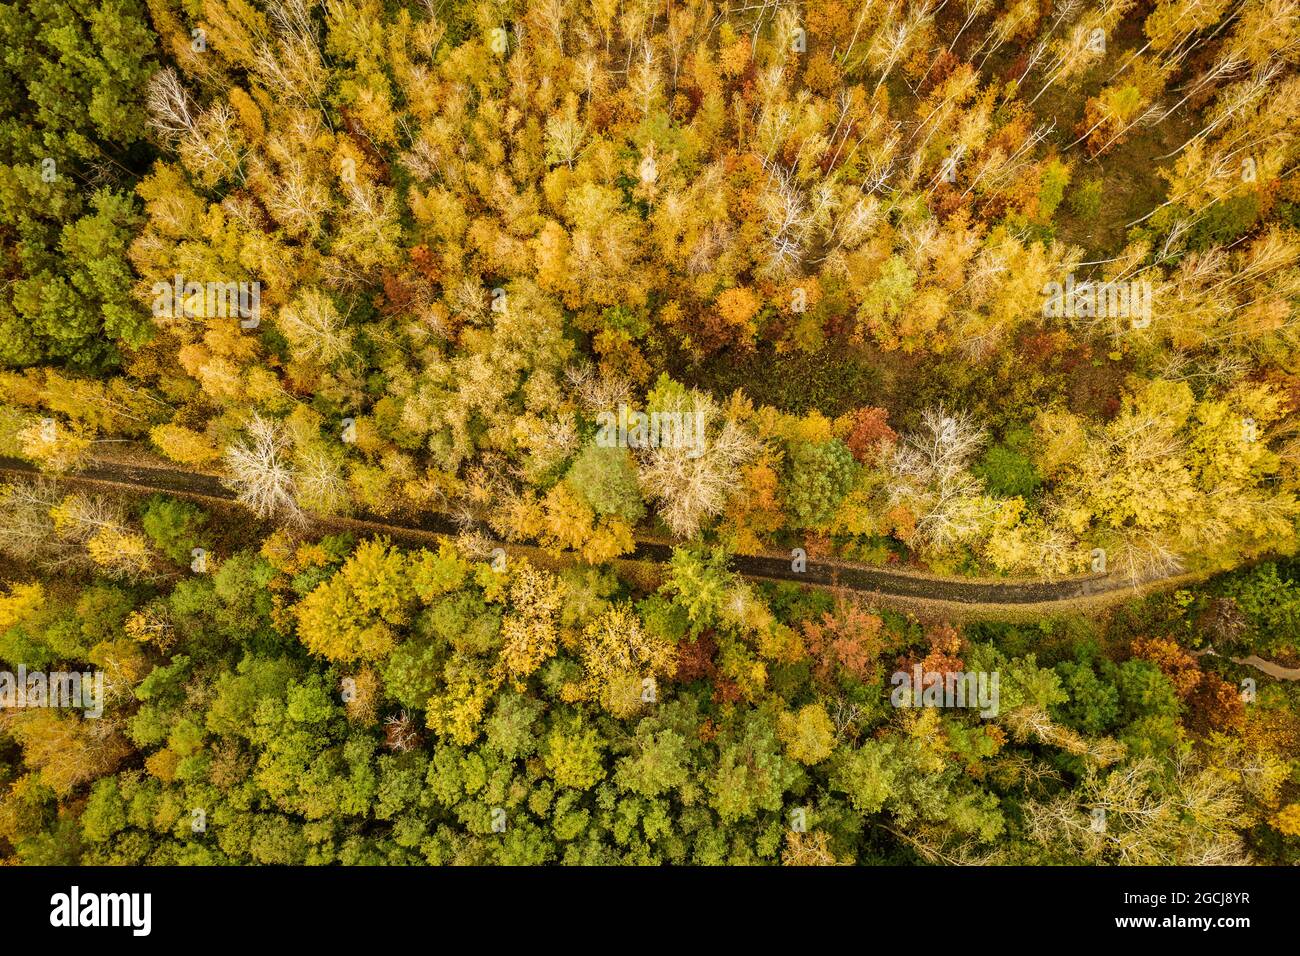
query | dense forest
(329,700)
(956,289)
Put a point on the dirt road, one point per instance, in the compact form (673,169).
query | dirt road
(904,585)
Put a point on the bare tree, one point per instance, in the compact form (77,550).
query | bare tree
(931,476)
(318,484)
(1142,556)
(260,470)
(1138,814)
(26,528)
(298,199)
(596,390)
(1031,723)
(41,525)
(400,733)
(171,111)
(314,327)
(789,222)
(691,487)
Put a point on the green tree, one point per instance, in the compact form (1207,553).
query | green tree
(173,526)
(606,480)
(819,476)
(71,106)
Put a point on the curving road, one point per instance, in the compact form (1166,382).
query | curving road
(922,591)
(905,586)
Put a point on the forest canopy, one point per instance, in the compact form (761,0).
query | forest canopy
(945,290)
(340,701)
